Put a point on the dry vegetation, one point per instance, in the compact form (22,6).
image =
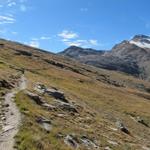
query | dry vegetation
(100,97)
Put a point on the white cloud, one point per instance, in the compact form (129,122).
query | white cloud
(34,39)
(45,38)
(71,38)
(11,7)
(93,42)
(65,34)
(6,19)
(34,44)
(11,4)
(83,43)
(14,33)
(41,38)
(65,40)
(74,43)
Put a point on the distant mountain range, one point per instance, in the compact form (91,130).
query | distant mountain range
(131,57)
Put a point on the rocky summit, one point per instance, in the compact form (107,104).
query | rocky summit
(130,56)
(96,101)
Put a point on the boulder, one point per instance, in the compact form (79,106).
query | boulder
(36,98)
(40,101)
(71,141)
(56,94)
(59,95)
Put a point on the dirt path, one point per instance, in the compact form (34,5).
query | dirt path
(11,119)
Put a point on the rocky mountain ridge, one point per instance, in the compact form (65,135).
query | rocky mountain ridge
(131,57)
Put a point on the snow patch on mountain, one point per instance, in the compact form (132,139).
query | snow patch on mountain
(141,44)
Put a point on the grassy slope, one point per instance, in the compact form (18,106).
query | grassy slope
(100,104)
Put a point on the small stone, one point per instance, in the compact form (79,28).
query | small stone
(11,113)
(112,142)
(3,118)
(140,120)
(61,115)
(107,148)
(6,105)
(122,127)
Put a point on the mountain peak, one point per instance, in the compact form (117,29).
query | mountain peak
(141,36)
(74,47)
(78,52)
(142,41)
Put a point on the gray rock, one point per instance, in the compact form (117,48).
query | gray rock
(89,143)
(122,127)
(59,95)
(40,101)
(49,107)
(44,123)
(36,98)
(71,141)
(67,107)
(54,92)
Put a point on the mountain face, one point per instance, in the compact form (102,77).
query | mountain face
(78,52)
(131,57)
(141,41)
(50,102)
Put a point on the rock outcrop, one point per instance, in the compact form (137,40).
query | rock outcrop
(44,123)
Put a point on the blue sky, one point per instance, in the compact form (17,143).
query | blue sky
(56,24)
